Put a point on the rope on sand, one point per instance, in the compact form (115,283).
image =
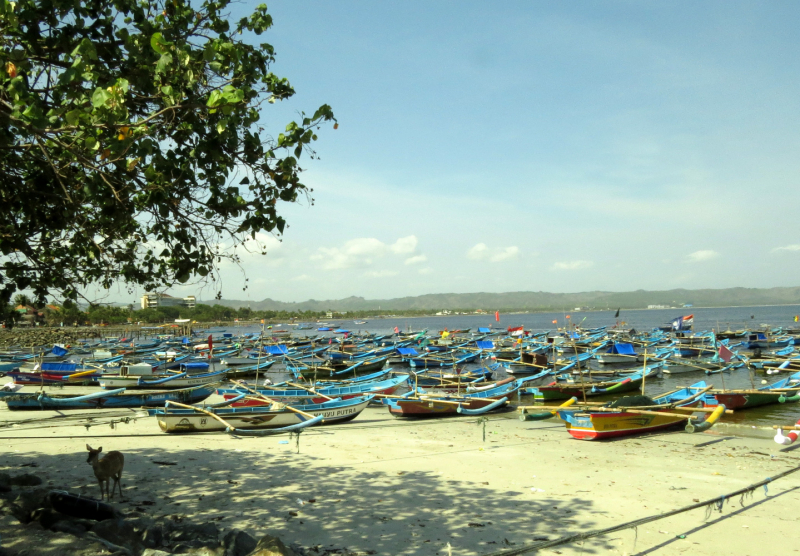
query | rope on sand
(712,503)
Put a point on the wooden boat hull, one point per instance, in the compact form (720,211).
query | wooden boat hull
(184,420)
(112,382)
(737,400)
(389,386)
(557,392)
(434,408)
(17,401)
(601,425)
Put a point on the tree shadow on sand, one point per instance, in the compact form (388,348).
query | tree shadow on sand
(304,500)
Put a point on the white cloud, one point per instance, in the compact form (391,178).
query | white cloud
(477,252)
(572,265)
(703,255)
(380,273)
(425,271)
(364,246)
(481,251)
(506,254)
(416,259)
(302,278)
(794,247)
(404,245)
(363,251)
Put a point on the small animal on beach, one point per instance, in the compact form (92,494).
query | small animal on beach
(105,468)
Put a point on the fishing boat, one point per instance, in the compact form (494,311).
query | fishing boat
(440,406)
(118,398)
(639,414)
(180,380)
(618,353)
(183,420)
(565,391)
(781,391)
(318,394)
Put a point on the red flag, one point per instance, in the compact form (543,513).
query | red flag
(725,354)
(555,322)
(497,316)
(210,345)
(396,330)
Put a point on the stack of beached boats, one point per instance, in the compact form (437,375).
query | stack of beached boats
(333,379)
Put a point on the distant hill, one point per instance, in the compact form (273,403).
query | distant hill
(537,301)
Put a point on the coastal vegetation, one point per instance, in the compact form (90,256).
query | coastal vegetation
(133,146)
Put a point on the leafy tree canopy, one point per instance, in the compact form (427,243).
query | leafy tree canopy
(131,144)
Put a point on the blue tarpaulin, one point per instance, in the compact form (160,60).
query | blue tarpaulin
(622,349)
(227,335)
(59,351)
(407,351)
(59,366)
(197,365)
(485,330)
(485,345)
(277,350)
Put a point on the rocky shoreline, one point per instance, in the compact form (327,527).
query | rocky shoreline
(29,525)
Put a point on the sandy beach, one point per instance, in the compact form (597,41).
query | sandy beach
(380,485)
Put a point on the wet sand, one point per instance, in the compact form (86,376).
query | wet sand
(411,487)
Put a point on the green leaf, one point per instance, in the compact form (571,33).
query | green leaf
(163,62)
(214,99)
(99,97)
(91,143)
(159,44)
(73,116)
(221,125)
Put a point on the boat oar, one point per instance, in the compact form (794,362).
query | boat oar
(270,400)
(525,416)
(310,390)
(230,427)
(646,412)
(82,374)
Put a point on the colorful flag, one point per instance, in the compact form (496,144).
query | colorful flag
(555,321)
(396,330)
(683,323)
(516,331)
(725,354)
(210,345)
(796,318)
(497,316)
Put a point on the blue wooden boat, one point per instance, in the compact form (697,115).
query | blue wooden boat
(106,399)
(389,386)
(248,421)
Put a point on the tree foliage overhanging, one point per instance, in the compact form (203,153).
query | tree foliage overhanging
(131,142)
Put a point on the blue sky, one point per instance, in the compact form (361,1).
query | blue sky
(556,146)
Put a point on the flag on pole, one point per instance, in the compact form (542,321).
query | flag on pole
(396,330)
(555,321)
(210,345)
(497,316)
(515,331)
(796,318)
(725,354)
(617,315)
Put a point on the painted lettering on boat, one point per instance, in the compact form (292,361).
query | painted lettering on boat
(339,412)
